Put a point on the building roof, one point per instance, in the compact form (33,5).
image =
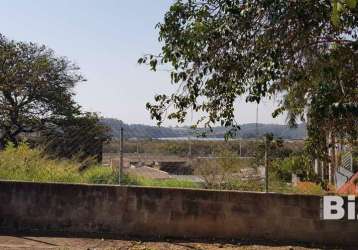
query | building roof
(350,187)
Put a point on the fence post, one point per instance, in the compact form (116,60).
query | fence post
(121,157)
(266,166)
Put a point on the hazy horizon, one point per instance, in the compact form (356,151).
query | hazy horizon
(106,39)
(187,126)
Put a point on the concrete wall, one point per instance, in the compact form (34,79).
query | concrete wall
(155,212)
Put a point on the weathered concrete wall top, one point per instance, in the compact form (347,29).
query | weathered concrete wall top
(154,212)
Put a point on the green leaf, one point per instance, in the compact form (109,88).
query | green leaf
(335,13)
(351,3)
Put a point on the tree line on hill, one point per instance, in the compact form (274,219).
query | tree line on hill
(246,131)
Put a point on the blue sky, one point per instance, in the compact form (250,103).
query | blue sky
(106,38)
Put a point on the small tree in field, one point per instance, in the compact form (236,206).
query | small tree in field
(218,172)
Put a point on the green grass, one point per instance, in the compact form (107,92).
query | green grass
(100,175)
(174,183)
(25,164)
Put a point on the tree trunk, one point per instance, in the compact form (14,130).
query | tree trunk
(326,163)
(333,159)
(325,169)
(2,143)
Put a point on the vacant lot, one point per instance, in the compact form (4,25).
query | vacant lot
(24,242)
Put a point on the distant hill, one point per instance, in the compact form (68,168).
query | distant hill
(247,130)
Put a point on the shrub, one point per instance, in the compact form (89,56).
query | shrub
(218,172)
(26,164)
(300,165)
(23,163)
(309,188)
(100,175)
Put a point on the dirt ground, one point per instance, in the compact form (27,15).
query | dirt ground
(27,242)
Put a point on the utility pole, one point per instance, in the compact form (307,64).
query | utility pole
(240,148)
(138,151)
(189,149)
(257,122)
(121,157)
(189,137)
(266,166)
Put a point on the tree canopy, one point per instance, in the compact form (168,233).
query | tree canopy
(37,95)
(340,6)
(36,87)
(219,50)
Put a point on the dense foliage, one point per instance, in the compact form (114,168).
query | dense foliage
(36,87)
(298,164)
(340,6)
(219,51)
(37,101)
(23,163)
(273,146)
(77,137)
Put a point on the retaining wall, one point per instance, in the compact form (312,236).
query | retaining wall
(158,212)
